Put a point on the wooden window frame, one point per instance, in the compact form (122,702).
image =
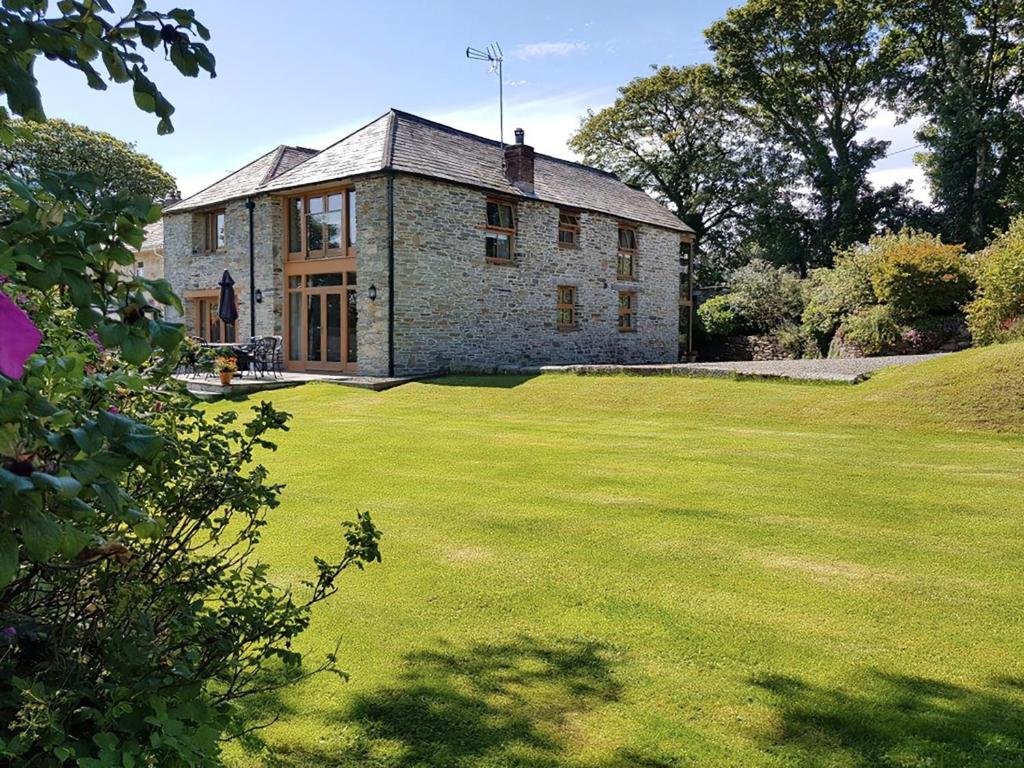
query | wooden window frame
(624,253)
(572,228)
(510,232)
(566,306)
(212,297)
(627,312)
(212,244)
(348,226)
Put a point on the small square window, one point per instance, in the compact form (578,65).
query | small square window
(215,238)
(566,306)
(627,239)
(568,229)
(499,245)
(499,215)
(627,311)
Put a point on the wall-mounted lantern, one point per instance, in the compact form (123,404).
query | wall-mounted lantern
(373,292)
(259,296)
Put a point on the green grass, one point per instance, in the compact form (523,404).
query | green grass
(602,572)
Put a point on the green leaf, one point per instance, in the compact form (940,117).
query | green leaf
(135,349)
(72,541)
(146,447)
(65,487)
(8,558)
(40,535)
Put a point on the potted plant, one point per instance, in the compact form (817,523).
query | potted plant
(227,367)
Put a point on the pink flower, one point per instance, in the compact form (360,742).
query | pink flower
(19,338)
(114,410)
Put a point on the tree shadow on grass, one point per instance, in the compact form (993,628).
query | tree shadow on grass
(507,704)
(898,720)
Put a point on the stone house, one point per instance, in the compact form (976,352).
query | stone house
(411,247)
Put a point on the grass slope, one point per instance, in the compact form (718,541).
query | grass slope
(601,572)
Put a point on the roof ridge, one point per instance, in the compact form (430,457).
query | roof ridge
(272,170)
(388,154)
(319,152)
(495,142)
(223,178)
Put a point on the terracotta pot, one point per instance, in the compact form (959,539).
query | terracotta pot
(225,377)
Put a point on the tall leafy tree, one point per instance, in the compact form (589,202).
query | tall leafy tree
(808,73)
(63,147)
(675,134)
(960,65)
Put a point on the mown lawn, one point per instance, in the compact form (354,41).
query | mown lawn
(613,571)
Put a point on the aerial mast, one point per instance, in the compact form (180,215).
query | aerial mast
(494,55)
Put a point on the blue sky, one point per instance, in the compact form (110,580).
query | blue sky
(309,71)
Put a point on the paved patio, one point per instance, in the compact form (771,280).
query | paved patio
(209,387)
(845,370)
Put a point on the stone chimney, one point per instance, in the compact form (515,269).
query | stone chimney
(519,163)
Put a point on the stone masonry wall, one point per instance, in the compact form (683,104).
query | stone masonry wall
(188,266)
(455,310)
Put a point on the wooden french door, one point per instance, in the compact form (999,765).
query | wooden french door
(320,316)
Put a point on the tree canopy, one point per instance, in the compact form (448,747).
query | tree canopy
(960,65)
(676,134)
(808,73)
(63,147)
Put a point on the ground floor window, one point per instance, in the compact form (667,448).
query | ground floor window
(566,306)
(206,322)
(627,311)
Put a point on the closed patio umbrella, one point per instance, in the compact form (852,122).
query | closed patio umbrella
(227,311)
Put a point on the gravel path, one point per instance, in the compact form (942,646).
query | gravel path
(848,370)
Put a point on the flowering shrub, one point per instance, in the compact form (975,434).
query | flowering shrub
(997,312)
(225,364)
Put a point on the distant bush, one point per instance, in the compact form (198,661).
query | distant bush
(873,331)
(997,312)
(795,342)
(718,318)
(832,294)
(917,275)
(765,296)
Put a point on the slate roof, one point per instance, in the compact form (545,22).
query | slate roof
(406,143)
(246,180)
(154,236)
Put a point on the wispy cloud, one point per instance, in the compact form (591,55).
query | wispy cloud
(545,49)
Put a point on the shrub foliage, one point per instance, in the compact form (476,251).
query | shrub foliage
(997,312)
(134,615)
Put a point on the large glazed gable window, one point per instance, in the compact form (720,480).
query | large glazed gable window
(501,231)
(215,239)
(626,262)
(321,225)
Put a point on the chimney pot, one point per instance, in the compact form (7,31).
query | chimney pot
(520,136)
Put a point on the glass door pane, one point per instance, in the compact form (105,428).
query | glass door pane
(313,327)
(294,325)
(351,324)
(333,327)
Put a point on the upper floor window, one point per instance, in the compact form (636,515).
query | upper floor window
(626,263)
(566,306)
(321,225)
(501,231)
(568,229)
(215,230)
